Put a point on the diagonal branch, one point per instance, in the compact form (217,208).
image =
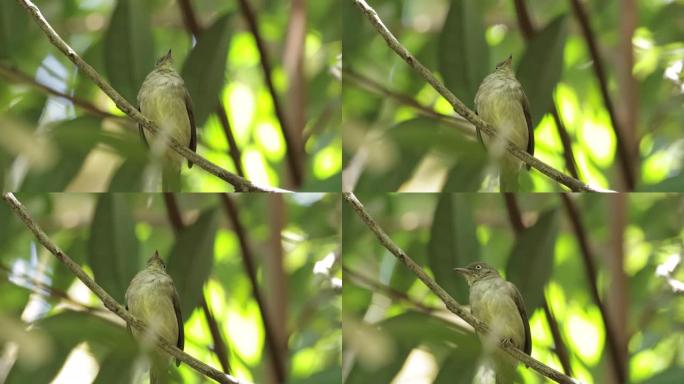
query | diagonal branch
(464,111)
(220,348)
(592,278)
(15,74)
(107,299)
(626,162)
(240,184)
(365,82)
(193,26)
(450,303)
(293,154)
(250,268)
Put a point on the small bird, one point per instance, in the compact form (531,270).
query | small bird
(501,102)
(164,99)
(152,298)
(499,304)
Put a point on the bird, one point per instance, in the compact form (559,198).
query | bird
(164,99)
(501,102)
(499,304)
(152,297)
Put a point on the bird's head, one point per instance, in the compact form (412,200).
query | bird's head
(477,271)
(165,61)
(156,262)
(506,65)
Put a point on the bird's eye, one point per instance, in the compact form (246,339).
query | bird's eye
(478,267)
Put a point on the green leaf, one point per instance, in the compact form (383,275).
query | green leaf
(65,331)
(408,331)
(191,258)
(468,172)
(129,177)
(531,260)
(14,23)
(453,243)
(75,139)
(204,69)
(129,53)
(113,246)
(541,66)
(463,51)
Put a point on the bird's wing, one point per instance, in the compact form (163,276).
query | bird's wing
(193,128)
(142,131)
(517,297)
(179,318)
(528,119)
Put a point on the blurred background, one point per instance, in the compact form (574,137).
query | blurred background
(600,275)
(266,109)
(235,261)
(603,78)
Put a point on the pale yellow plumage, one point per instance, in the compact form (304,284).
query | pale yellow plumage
(501,102)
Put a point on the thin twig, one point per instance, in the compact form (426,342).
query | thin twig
(193,27)
(450,303)
(623,154)
(528,32)
(220,347)
(13,73)
(293,154)
(108,300)
(240,184)
(515,218)
(389,291)
(592,277)
(464,111)
(250,268)
(365,82)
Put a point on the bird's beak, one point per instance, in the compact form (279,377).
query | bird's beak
(463,271)
(168,54)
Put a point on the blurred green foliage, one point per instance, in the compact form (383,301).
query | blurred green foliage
(443,231)
(112,235)
(462,40)
(122,40)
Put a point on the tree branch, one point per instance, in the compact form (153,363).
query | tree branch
(626,163)
(13,73)
(528,31)
(220,348)
(464,111)
(236,181)
(592,277)
(293,154)
(450,303)
(193,27)
(515,218)
(108,300)
(248,263)
(365,82)
(388,291)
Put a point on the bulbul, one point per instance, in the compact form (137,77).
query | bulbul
(499,304)
(152,298)
(501,102)
(164,99)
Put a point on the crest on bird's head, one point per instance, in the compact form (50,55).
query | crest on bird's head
(506,64)
(156,261)
(167,59)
